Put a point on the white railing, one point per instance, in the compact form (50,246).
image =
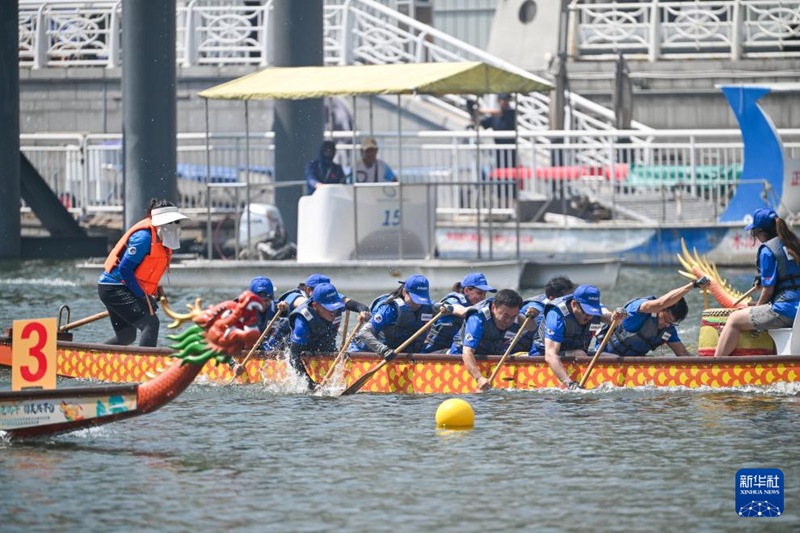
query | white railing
(661,30)
(702,167)
(57,33)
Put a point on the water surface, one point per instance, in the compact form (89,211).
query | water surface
(271,458)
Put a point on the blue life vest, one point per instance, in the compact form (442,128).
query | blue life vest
(525,341)
(788,272)
(290,296)
(441,334)
(322,336)
(576,336)
(632,344)
(408,322)
(494,340)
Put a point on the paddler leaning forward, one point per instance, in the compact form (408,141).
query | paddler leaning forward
(566,330)
(488,329)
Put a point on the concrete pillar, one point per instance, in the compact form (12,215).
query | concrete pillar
(149,117)
(298,124)
(10,239)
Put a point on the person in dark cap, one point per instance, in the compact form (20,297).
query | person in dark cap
(323,170)
(565,329)
(778,266)
(395,318)
(466,293)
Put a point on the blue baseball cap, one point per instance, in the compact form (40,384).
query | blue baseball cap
(762,219)
(261,285)
(315,279)
(477,280)
(327,296)
(418,287)
(589,298)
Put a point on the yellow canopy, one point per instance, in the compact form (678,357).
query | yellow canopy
(298,83)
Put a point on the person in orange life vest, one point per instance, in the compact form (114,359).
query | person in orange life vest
(133,271)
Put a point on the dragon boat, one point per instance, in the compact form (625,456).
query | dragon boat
(37,412)
(772,358)
(432,373)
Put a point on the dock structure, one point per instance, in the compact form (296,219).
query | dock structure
(653,178)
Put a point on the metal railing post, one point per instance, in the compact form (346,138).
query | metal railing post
(654,50)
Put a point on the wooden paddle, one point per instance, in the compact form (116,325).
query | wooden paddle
(83,321)
(256,345)
(510,347)
(746,295)
(611,328)
(340,356)
(352,389)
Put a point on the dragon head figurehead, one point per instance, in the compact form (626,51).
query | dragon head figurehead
(221,331)
(698,266)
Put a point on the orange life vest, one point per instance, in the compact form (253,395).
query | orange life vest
(149,272)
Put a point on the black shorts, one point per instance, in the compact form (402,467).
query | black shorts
(121,302)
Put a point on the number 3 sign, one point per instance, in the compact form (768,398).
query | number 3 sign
(33,355)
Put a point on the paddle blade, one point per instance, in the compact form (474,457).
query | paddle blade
(356,386)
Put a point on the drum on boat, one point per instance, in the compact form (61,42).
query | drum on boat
(750,342)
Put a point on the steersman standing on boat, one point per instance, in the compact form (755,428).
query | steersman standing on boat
(133,271)
(778,266)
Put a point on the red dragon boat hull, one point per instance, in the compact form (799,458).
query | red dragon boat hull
(35,413)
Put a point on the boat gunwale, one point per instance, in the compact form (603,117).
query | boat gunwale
(445,358)
(70,392)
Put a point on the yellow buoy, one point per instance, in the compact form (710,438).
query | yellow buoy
(454,414)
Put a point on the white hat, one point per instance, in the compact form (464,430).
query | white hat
(161,216)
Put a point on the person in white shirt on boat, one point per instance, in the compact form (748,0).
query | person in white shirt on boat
(651,322)
(370,169)
(778,265)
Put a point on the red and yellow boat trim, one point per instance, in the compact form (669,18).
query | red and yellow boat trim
(436,374)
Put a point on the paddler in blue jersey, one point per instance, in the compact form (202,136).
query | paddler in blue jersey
(396,318)
(132,272)
(295,298)
(556,287)
(778,265)
(651,322)
(466,293)
(488,329)
(566,329)
(314,326)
